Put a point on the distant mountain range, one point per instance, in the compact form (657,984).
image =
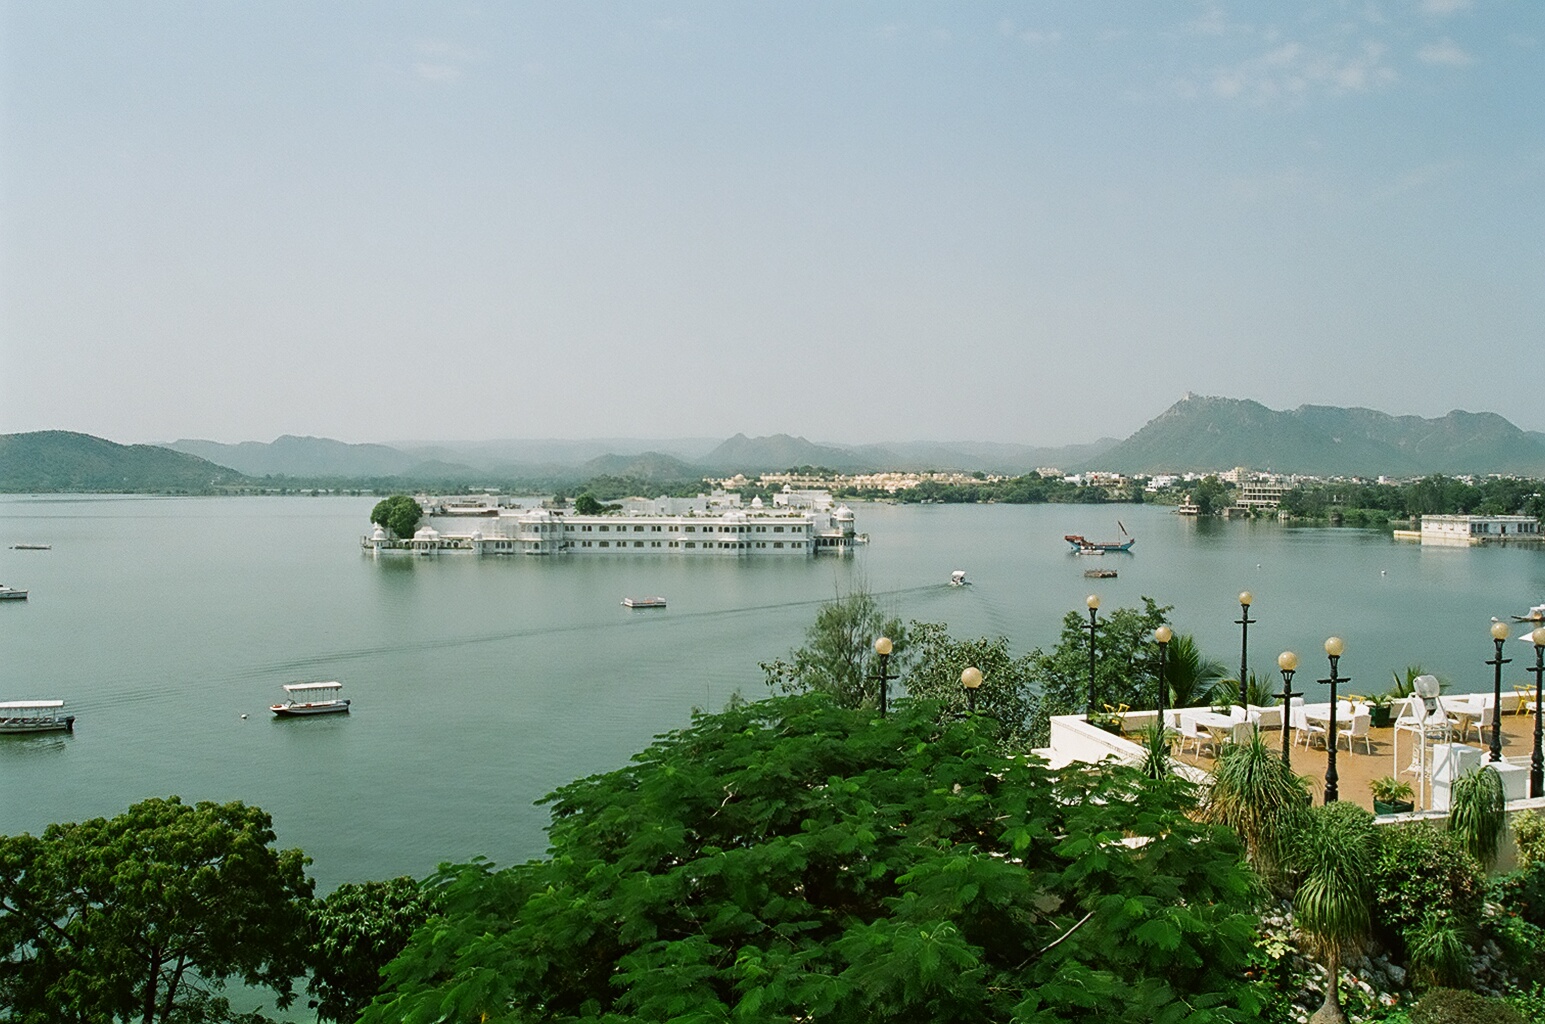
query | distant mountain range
(1200,433)
(56,461)
(1196,434)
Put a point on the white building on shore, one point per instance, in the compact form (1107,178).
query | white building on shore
(1466,530)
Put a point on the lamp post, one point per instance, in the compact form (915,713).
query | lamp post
(1537,762)
(883,648)
(1244,620)
(1093,603)
(1499,632)
(1287,661)
(971,678)
(1162,636)
(1333,648)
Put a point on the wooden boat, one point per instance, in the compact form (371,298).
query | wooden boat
(643,602)
(11,593)
(311,699)
(1100,574)
(1085,546)
(32,547)
(24,716)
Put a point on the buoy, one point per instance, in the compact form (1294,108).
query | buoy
(244,716)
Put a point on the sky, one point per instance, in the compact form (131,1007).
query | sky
(1040,223)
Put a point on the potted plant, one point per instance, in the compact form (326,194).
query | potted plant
(1391,796)
(1381,710)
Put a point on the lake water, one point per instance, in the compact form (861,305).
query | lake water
(480,685)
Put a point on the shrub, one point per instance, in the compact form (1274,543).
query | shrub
(1457,1006)
(1439,949)
(1522,892)
(1478,812)
(1529,834)
(1421,868)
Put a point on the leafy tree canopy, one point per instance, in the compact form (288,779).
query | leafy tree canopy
(838,657)
(795,860)
(1006,695)
(129,918)
(399,514)
(354,932)
(587,505)
(1125,670)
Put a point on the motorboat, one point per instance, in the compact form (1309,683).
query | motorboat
(958,579)
(643,602)
(23,716)
(311,699)
(11,593)
(1536,615)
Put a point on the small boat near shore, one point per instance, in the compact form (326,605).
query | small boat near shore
(32,547)
(1100,574)
(1536,616)
(643,602)
(28,716)
(11,593)
(311,699)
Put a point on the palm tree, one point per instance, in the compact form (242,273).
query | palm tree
(1189,673)
(1478,812)
(1334,851)
(1254,793)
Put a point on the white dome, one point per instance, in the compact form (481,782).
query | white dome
(842,512)
(756,502)
(379,534)
(426,533)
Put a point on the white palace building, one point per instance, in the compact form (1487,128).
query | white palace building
(798,525)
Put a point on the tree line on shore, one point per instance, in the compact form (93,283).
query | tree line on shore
(805,857)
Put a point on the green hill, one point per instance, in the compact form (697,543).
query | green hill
(60,460)
(1201,433)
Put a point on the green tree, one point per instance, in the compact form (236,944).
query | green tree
(354,932)
(1257,795)
(838,656)
(1478,813)
(1190,673)
(126,919)
(1126,662)
(1210,494)
(1006,695)
(399,514)
(792,859)
(1334,850)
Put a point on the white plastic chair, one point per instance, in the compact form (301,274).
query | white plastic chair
(1190,734)
(1357,730)
(1303,729)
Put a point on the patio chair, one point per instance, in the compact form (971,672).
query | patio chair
(1357,730)
(1190,734)
(1304,730)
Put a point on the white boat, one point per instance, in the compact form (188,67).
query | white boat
(643,602)
(311,699)
(11,593)
(958,579)
(18,716)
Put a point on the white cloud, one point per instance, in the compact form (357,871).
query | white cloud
(1293,70)
(1445,53)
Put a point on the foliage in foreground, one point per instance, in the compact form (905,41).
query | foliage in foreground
(130,918)
(1125,670)
(838,657)
(791,859)
(353,932)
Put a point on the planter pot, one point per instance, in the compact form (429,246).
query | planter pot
(1381,716)
(1398,807)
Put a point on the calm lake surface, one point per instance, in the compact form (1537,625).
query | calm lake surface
(479,685)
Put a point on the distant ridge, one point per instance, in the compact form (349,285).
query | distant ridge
(1202,433)
(54,461)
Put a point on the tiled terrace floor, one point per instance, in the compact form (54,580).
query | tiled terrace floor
(1355,770)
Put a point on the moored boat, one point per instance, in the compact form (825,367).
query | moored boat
(24,716)
(11,593)
(643,602)
(1100,574)
(1085,546)
(311,699)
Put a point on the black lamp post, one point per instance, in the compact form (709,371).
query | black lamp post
(971,678)
(1287,661)
(1499,632)
(1244,620)
(1093,603)
(1333,648)
(1162,636)
(883,647)
(1537,762)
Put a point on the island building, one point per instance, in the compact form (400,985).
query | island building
(1467,530)
(800,524)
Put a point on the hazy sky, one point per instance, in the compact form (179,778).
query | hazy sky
(1031,222)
